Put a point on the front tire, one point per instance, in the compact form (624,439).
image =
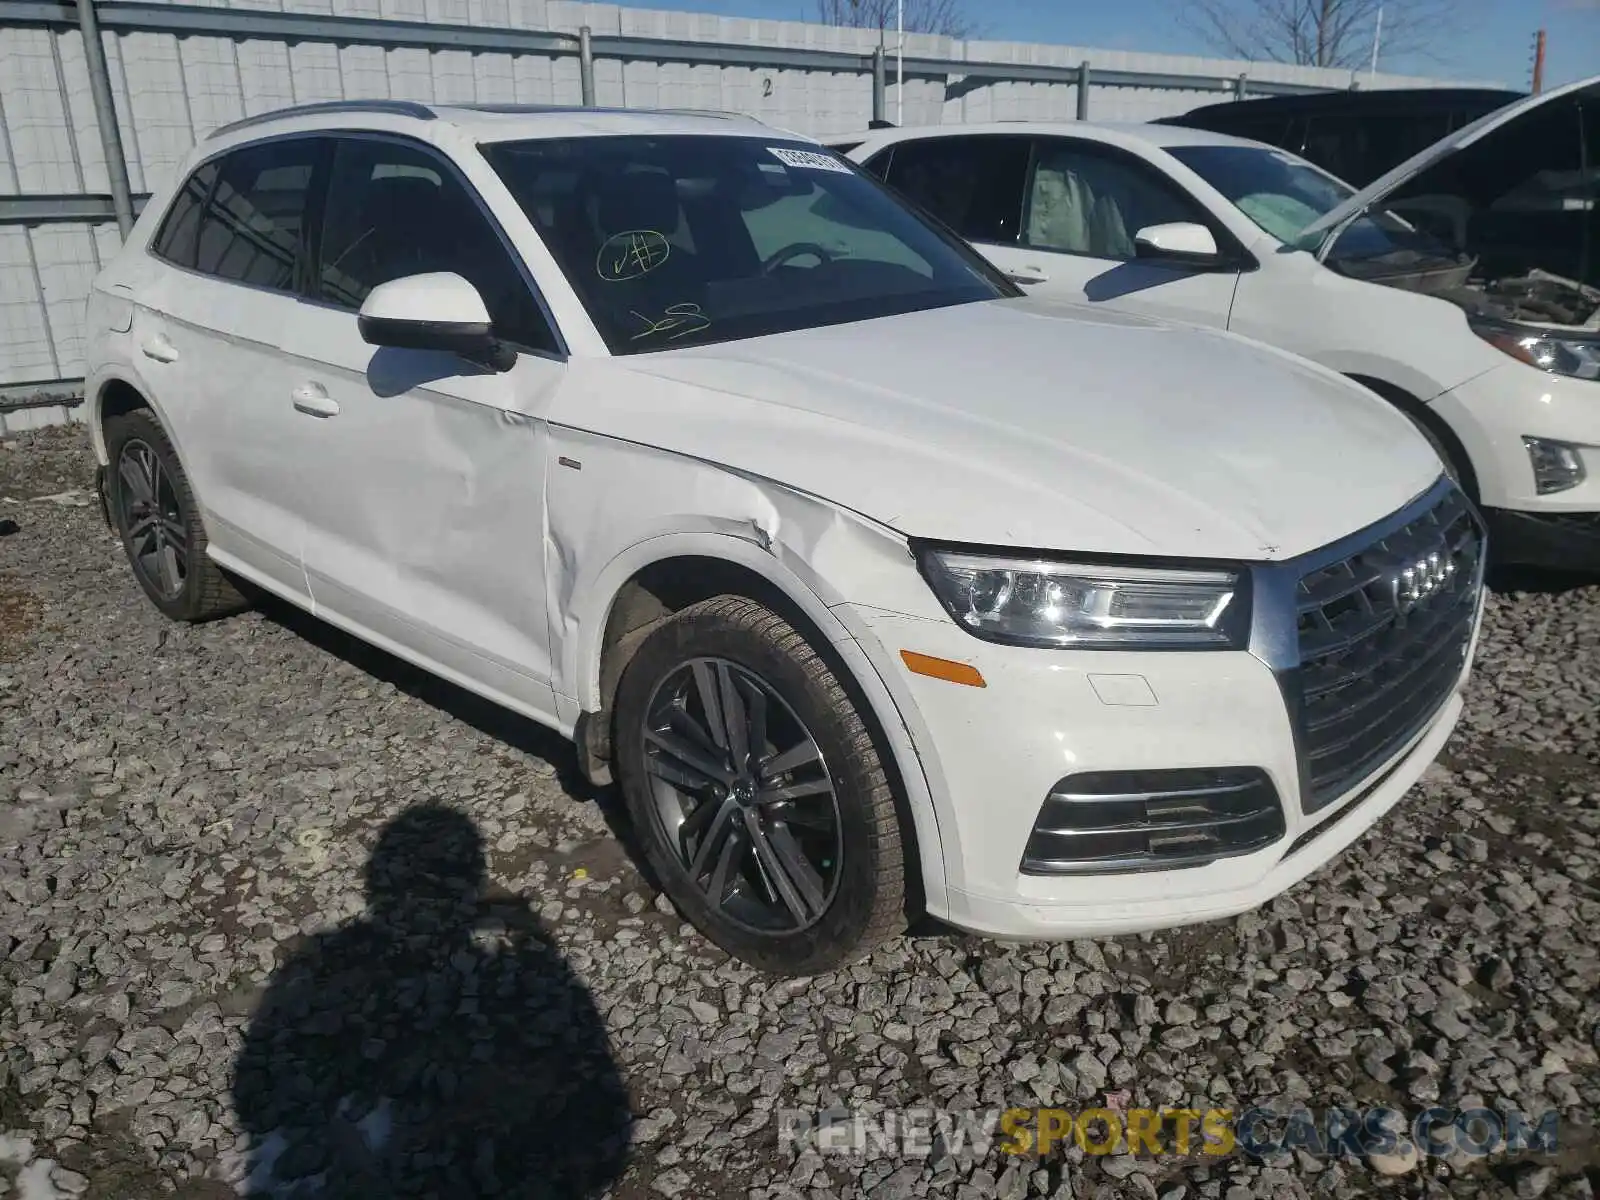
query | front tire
(757,791)
(153,506)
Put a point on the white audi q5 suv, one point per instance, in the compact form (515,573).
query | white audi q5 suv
(878,587)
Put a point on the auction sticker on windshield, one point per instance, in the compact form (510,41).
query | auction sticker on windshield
(807,158)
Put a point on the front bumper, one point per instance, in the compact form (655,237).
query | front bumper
(1491,414)
(1230,887)
(992,754)
(1560,540)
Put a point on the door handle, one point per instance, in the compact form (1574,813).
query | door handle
(313,400)
(1028,274)
(157,346)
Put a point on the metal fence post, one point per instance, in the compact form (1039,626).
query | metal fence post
(105,112)
(1239,86)
(1083,90)
(880,84)
(586,66)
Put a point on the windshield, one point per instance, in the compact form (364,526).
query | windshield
(1283,194)
(682,240)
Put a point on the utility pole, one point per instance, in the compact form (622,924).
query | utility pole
(1538,62)
(900,62)
(105,112)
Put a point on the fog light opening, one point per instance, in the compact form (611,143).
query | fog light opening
(1106,822)
(1557,466)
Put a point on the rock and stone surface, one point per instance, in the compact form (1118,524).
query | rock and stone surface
(211,970)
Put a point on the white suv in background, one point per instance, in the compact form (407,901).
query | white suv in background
(877,585)
(1463,286)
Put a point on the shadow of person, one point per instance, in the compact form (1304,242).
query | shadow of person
(440,1046)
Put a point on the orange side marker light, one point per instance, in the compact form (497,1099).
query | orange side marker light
(943,668)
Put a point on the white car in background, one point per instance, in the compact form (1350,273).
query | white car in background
(878,586)
(1463,286)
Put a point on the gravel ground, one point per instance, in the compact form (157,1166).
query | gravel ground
(273,905)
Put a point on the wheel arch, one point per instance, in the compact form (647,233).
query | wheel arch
(645,584)
(115,393)
(1423,415)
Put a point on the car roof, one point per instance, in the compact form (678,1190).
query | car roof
(1115,133)
(497,122)
(1357,102)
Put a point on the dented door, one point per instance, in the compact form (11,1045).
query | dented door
(424,474)
(423,489)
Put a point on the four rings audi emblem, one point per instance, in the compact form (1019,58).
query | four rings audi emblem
(1430,574)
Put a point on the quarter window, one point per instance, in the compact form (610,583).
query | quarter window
(179,235)
(1082,201)
(878,164)
(251,228)
(973,184)
(395,210)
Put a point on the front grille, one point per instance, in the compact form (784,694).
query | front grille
(1106,821)
(1383,635)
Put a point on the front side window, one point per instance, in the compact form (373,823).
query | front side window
(973,184)
(681,240)
(250,230)
(395,210)
(1084,201)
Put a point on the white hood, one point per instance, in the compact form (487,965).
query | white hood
(1359,202)
(1028,424)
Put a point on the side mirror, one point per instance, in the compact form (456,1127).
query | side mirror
(439,311)
(1181,243)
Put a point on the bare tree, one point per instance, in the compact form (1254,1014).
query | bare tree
(946,17)
(1323,33)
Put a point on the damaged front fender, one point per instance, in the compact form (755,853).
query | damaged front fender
(615,510)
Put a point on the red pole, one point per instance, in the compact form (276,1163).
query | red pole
(1538,62)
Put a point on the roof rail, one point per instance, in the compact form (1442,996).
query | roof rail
(427,112)
(398,108)
(711,112)
(513,109)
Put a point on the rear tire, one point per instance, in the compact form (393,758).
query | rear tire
(154,509)
(786,854)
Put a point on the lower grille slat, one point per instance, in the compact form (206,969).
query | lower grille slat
(1114,821)
(1383,637)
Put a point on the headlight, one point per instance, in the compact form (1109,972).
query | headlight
(1578,357)
(1033,602)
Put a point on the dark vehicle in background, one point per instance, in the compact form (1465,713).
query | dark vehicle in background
(1355,135)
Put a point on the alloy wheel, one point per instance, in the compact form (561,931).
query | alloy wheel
(158,536)
(743,796)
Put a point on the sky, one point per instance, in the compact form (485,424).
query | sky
(1489,41)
